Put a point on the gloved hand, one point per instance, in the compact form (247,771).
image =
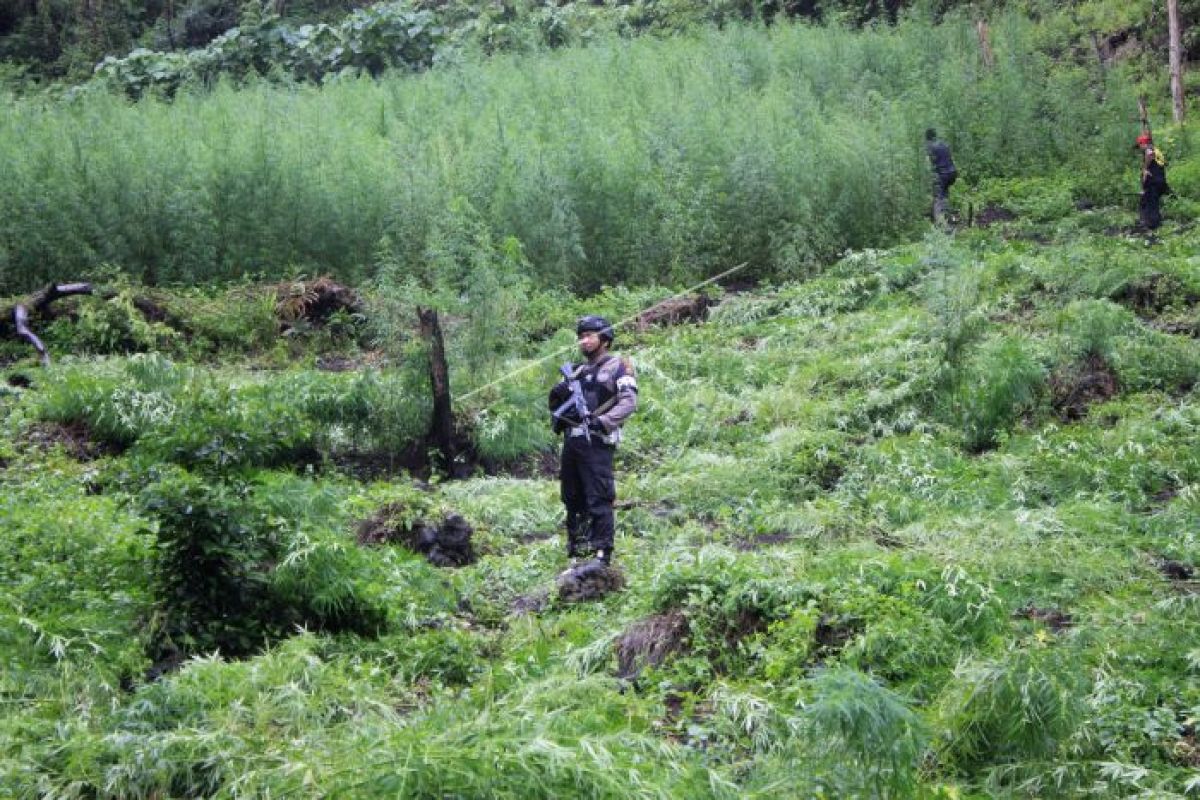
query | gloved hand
(558,395)
(596,426)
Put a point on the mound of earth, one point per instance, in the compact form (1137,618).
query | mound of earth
(445,545)
(75,438)
(649,642)
(674,311)
(991,214)
(1074,389)
(314,301)
(591,580)
(1053,618)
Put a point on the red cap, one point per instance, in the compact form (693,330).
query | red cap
(1143,140)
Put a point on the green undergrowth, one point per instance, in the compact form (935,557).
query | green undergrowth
(921,526)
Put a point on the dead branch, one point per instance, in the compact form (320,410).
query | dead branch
(38,302)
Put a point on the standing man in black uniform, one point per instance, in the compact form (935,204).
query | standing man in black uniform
(589,408)
(1154,182)
(944,173)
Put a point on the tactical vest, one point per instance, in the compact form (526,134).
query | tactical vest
(598,394)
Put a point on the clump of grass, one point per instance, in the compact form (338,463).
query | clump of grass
(870,739)
(1020,708)
(1001,382)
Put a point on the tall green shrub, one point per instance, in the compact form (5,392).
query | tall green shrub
(627,161)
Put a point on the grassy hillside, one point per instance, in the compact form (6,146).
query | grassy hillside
(921,525)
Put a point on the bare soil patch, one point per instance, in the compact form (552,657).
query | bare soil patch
(75,439)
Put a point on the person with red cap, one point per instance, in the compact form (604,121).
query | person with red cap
(1154,182)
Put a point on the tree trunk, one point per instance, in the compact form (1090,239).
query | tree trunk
(441,428)
(1176,59)
(985,44)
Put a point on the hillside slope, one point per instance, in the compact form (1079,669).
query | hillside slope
(924,525)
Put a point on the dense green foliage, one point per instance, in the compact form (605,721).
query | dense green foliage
(623,162)
(65,38)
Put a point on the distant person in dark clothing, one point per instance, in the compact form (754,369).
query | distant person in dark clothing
(944,173)
(1154,182)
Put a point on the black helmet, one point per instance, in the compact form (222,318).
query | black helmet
(598,324)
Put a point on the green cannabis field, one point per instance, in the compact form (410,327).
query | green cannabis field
(905,511)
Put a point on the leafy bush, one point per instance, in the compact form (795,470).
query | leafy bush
(212,579)
(725,603)
(1156,360)
(111,326)
(1036,199)
(1092,328)
(234,572)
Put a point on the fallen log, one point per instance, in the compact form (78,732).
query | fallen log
(36,306)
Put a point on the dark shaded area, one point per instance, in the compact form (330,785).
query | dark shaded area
(1175,570)
(992,214)
(886,540)
(75,438)
(740,418)
(591,580)
(1053,618)
(1177,327)
(447,544)
(1151,295)
(1075,388)
(650,641)
(832,634)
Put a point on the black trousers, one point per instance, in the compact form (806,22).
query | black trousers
(588,491)
(941,194)
(1150,206)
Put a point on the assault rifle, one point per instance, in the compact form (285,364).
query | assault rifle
(575,405)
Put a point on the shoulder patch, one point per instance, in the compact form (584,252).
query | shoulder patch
(628,365)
